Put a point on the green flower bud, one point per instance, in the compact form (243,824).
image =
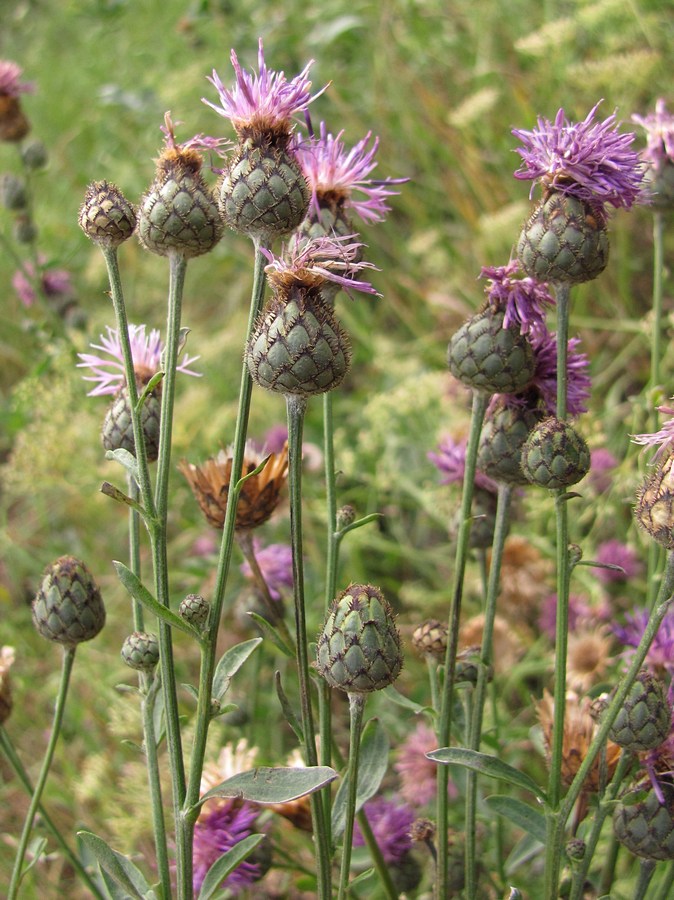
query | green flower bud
(106,216)
(554,455)
(140,650)
(645,719)
(195,610)
(68,608)
(645,825)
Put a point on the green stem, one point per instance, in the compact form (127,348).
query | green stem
(66,669)
(134,552)
(665,891)
(208,661)
(646,871)
(656,340)
(150,690)
(603,809)
(22,775)
(480,401)
(377,857)
(296,407)
(486,655)
(608,869)
(356,708)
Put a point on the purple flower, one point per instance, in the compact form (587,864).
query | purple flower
(661,652)
(418,774)
(523,299)
(146,352)
(661,439)
(390,825)
(198,142)
(545,376)
(53,282)
(335,173)
(659,128)
(275,438)
(615,553)
(451,461)
(602,461)
(318,260)
(217,830)
(579,610)
(10,80)
(276,565)
(262,102)
(589,160)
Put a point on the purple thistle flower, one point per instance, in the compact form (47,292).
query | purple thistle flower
(53,282)
(661,439)
(418,774)
(579,610)
(265,101)
(217,830)
(321,259)
(146,352)
(545,376)
(10,80)
(523,299)
(590,160)
(198,142)
(276,564)
(334,173)
(661,652)
(659,127)
(602,461)
(615,553)
(390,825)
(451,461)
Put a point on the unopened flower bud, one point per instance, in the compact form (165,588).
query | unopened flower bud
(346,516)
(106,216)
(645,825)
(358,649)
(117,431)
(13,192)
(645,719)
(195,610)
(24,229)
(430,639)
(655,503)
(34,155)
(68,608)
(140,651)
(555,455)
(575,849)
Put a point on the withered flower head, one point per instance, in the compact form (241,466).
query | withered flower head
(6,662)
(260,494)
(579,730)
(589,654)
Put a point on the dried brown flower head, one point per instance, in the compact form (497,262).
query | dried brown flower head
(507,646)
(588,656)
(524,580)
(260,494)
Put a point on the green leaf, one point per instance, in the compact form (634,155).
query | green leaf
(35,851)
(149,387)
(273,785)
(372,765)
(140,593)
(121,869)
(401,700)
(111,491)
(270,632)
(372,517)
(230,663)
(521,814)
(191,690)
(362,879)
(227,863)
(288,711)
(126,459)
(523,851)
(486,765)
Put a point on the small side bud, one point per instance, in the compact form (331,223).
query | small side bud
(195,610)
(430,639)
(13,192)
(346,516)
(34,155)
(140,651)
(106,216)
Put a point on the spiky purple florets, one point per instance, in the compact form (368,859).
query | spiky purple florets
(590,160)
(616,553)
(10,80)
(451,461)
(276,564)
(332,170)
(390,825)
(264,99)
(146,351)
(545,377)
(524,300)
(659,127)
(661,652)
(333,259)
(216,832)
(663,439)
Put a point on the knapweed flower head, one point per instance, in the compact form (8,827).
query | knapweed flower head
(523,299)
(276,564)
(390,823)
(262,102)
(659,127)
(108,365)
(53,283)
(660,656)
(199,142)
(451,462)
(310,263)
(663,439)
(617,553)
(602,463)
(544,343)
(219,828)
(417,773)
(590,160)
(336,173)
(10,80)
(580,611)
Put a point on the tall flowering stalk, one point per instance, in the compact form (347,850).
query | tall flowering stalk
(582,167)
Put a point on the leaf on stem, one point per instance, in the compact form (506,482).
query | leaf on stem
(484,764)
(140,593)
(111,491)
(372,765)
(120,869)
(230,663)
(270,632)
(520,814)
(273,785)
(226,863)
(149,387)
(288,711)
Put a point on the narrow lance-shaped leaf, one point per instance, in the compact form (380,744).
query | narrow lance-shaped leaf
(121,869)
(519,813)
(372,765)
(226,863)
(230,663)
(486,765)
(273,785)
(140,593)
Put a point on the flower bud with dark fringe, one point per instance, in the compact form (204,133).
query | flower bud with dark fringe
(430,639)
(195,609)
(106,216)
(179,214)
(68,608)
(644,824)
(555,455)
(359,650)
(645,720)
(506,428)
(117,431)
(140,651)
